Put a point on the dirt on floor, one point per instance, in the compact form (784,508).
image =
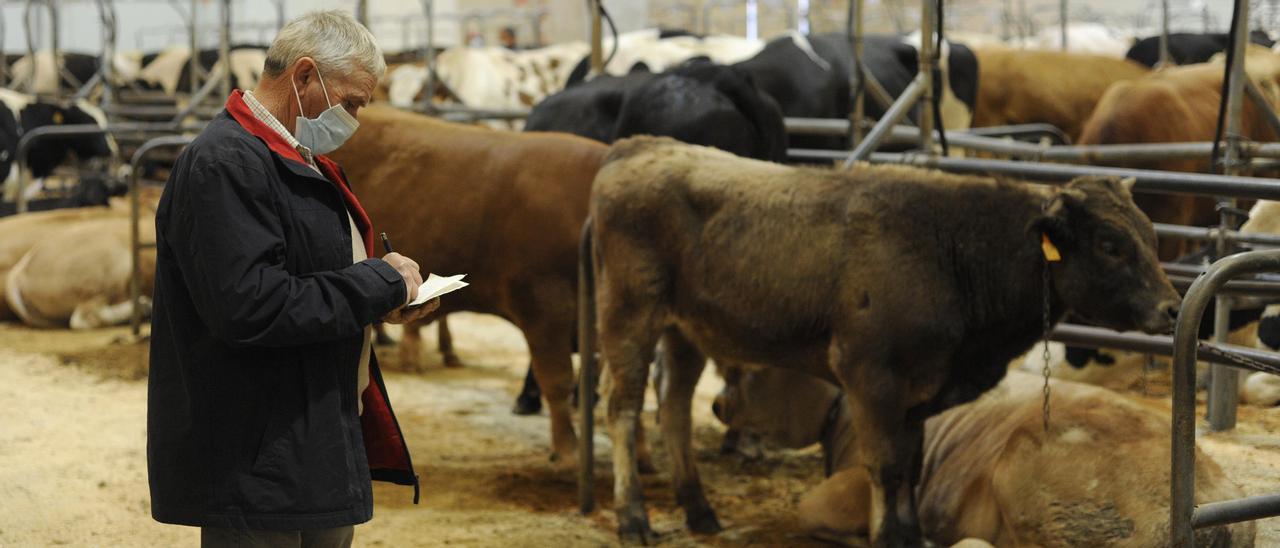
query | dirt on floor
(73,455)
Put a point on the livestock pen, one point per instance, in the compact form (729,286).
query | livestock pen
(485,479)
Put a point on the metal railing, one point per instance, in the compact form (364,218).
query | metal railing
(136,245)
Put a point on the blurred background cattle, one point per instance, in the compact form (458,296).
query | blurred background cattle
(483,156)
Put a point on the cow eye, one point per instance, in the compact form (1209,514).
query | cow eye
(1109,247)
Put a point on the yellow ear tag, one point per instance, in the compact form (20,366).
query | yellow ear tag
(57,118)
(1051,253)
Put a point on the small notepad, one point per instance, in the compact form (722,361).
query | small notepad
(436,286)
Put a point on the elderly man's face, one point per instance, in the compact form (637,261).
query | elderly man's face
(352,90)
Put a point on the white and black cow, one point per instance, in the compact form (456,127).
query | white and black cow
(21,113)
(169,70)
(1187,48)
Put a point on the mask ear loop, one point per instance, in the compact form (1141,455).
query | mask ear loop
(299,97)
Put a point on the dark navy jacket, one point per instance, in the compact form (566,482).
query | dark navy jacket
(259,315)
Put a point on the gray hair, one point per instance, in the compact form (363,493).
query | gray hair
(338,43)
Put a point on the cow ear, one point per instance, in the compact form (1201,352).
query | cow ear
(1127,184)
(1054,220)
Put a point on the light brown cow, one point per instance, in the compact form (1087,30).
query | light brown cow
(1053,87)
(505,208)
(989,469)
(19,233)
(1179,104)
(77,272)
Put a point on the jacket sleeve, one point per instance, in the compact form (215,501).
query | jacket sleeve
(228,241)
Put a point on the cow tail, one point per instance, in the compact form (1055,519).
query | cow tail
(760,109)
(13,294)
(587,372)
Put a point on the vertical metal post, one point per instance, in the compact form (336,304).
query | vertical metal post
(1062,22)
(925,119)
(429,11)
(804,23)
(31,45)
(135,253)
(1164,33)
(597,39)
(362,12)
(55,46)
(4,63)
(1224,387)
(193,65)
(224,48)
(853,27)
(107,13)
(753,19)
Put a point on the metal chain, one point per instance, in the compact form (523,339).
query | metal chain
(1242,360)
(1044,341)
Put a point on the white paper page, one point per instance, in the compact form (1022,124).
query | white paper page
(435,286)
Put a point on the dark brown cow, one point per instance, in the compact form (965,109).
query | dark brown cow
(830,273)
(1177,104)
(1052,87)
(504,208)
(990,470)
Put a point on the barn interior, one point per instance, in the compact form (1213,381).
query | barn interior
(1175,100)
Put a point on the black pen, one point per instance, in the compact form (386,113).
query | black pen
(386,244)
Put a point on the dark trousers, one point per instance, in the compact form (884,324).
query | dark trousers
(217,537)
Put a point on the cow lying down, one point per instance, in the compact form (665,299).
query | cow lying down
(70,268)
(989,469)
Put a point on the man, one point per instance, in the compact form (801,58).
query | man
(507,38)
(267,416)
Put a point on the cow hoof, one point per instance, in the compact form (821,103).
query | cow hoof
(527,405)
(451,361)
(703,522)
(635,530)
(564,462)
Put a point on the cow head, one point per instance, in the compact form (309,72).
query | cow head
(786,408)
(1107,273)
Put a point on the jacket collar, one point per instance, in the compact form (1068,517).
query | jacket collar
(329,170)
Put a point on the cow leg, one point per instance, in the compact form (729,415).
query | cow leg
(381,337)
(446,342)
(627,349)
(887,447)
(553,371)
(683,364)
(411,347)
(529,402)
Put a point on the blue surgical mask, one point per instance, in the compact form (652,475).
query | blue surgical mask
(325,133)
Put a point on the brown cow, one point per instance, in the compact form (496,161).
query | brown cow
(19,233)
(828,272)
(505,208)
(990,471)
(1052,87)
(1178,104)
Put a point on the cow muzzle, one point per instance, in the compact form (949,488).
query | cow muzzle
(1162,318)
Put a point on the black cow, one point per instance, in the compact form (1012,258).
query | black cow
(207,58)
(590,109)
(49,153)
(1186,48)
(804,86)
(703,103)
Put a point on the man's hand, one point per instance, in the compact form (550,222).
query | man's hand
(409,271)
(405,315)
